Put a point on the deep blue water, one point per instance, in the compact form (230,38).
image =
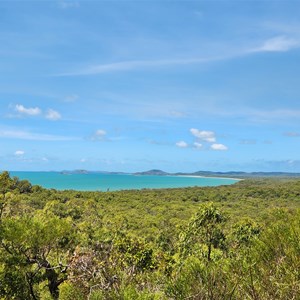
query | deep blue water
(112,182)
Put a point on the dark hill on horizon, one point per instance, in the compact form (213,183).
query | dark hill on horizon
(233,174)
(153,172)
(238,174)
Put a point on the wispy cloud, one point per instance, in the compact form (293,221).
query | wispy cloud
(68,4)
(248,142)
(271,115)
(27,135)
(278,44)
(71,98)
(257,115)
(291,134)
(177,114)
(99,135)
(267,142)
(198,145)
(53,115)
(30,111)
(137,64)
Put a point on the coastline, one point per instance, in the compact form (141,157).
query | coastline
(104,182)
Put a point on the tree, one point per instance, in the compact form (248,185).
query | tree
(6,183)
(245,231)
(204,228)
(37,249)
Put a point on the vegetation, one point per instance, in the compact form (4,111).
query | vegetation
(229,242)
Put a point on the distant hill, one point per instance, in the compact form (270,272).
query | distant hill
(66,172)
(152,172)
(246,174)
(233,174)
(230,174)
(70,172)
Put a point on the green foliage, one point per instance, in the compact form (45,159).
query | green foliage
(151,244)
(134,254)
(204,228)
(197,279)
(69,291)
(6,183)
(277,256)
(244,231)
(37,248)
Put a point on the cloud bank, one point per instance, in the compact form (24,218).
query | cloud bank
(205,140)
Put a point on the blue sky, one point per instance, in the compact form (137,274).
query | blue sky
(135,85)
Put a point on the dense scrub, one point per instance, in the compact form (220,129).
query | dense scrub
(228,242)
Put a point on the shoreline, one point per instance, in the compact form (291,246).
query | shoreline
(114,182)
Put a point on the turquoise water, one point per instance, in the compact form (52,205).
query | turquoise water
(103,182)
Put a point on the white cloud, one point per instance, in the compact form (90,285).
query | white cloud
(182,144)
(218,147)
(208,136)
(100,132)
(83,160)
(32,111)
(19,152)
(99,135)
(53,115)
(198,145)
(278,44)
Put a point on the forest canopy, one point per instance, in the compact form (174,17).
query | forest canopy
(227,242)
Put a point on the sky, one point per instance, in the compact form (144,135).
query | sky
(129,86)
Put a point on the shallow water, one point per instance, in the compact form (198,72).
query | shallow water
(113,182)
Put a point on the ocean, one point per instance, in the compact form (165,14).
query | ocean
(114,182)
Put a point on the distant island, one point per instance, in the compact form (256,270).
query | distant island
(153,172)
(157,172)
(71,172)
(66,172)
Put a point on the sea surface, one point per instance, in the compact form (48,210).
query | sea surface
(114,182)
